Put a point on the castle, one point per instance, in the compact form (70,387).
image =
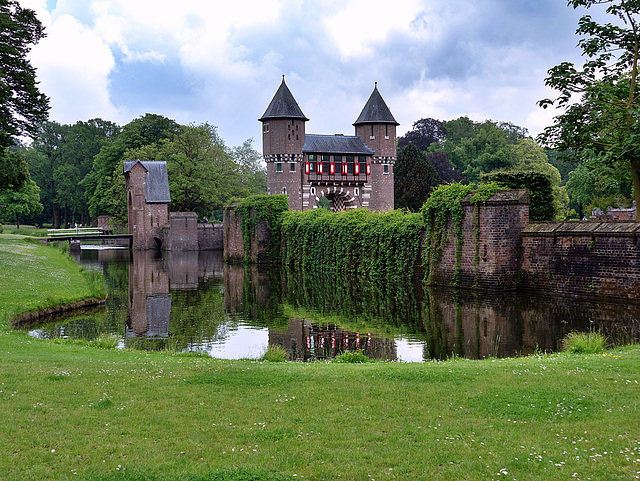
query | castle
(350,171)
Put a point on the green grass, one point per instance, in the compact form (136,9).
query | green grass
(73,411)
(584,342)
(34,276)
(275,353)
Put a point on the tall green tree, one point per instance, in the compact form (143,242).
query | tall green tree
(22,202)
(107,164)
(202,173)
(424,132)
(414,178)
(602,128)
(529,156)
(22,105)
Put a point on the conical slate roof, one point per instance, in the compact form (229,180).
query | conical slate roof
(283,106)
(375,111)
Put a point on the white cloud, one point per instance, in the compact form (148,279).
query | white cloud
(73,68)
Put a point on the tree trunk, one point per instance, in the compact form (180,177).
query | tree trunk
(17,221)
(635,176)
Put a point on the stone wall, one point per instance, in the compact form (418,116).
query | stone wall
(233,246)
(582,258)
(210,237)
(491,249)
(501,250)
(182,233)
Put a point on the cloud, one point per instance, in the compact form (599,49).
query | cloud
(73,68)
(197,60)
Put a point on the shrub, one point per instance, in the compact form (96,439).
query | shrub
(584,342)
(357,357)
(106,341)
(275,353)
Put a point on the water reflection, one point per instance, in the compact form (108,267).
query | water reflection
(193,301)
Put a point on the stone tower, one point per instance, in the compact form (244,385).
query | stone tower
(349,171)
(283,136)
(377,129)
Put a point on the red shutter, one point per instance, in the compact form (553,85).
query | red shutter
(357,169)
(319,167)
(332,168)
(368,169)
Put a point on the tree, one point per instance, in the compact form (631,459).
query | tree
(424,133)
(414,178)
(13,170)
(601,129)
(22,106)
(202,173)
(447,172)
(529,156)
(21,202)
(107,164)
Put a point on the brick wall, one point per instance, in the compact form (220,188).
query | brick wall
(491,259)
(210,236)
(582,258)
(233,246)
(182,233)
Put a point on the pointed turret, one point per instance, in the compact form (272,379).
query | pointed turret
(376,126)
(283,106)
(375,111)
(283,136)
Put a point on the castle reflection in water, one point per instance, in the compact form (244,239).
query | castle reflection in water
(194,301)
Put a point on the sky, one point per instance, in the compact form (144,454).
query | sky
(201,61)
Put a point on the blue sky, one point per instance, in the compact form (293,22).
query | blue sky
(203,61)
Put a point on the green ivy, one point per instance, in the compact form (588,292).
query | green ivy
(540,190)
(375,246)
(267,208)
(444,205)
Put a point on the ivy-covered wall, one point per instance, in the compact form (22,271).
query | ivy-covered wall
(463,238)
(473,237)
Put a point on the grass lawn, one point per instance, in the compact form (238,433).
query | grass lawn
(79,412)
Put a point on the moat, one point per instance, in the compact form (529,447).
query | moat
(194,301)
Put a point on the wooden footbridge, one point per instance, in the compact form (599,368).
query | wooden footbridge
(79,234)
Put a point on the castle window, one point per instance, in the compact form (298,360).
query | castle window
(313,191)
(356,191)
(312,158)
(278,166)
(265,127)
(292,167)
(372,136)
(325,158)
(362,158)
(284,190)
(350,159)
(289,135)
(385,168)
(279,158)
(296,136)
(386,131)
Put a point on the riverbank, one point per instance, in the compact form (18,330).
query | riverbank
(79,412)
(35,278)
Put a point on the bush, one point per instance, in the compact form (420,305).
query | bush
(275,353)
(584,342)
(357,357)
(106,341)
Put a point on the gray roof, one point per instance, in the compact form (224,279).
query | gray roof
(375,111)
(335,144)
(283,106)
(157,180)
